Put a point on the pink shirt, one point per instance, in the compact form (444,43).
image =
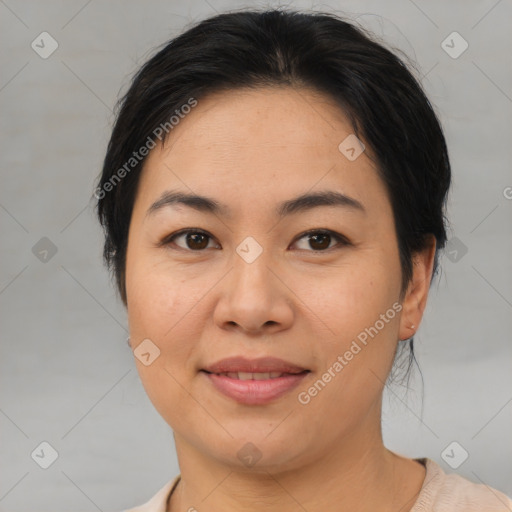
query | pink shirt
(440,492)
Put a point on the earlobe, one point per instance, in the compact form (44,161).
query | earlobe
(416,296)
(412,330)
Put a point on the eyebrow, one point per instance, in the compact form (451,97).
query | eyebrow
(298,204)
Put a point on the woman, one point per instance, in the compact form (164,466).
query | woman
(273,201)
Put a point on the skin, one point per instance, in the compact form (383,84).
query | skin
(300,301)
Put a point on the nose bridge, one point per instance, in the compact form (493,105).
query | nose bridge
(251,267)
(253,296)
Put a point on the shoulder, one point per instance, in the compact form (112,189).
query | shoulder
(442,492)
(158,503)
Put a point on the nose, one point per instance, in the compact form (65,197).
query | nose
(254,298)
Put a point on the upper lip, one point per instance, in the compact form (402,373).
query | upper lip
(258,365)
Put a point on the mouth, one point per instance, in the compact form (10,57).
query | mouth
(254,382)
(255,375)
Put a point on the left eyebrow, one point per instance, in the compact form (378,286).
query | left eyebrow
(298,204)
(325,198)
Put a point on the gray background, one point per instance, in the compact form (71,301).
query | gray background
(67,375)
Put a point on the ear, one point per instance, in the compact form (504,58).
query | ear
(415,299)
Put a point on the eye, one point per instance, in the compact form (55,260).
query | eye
(195,240)
(320,239)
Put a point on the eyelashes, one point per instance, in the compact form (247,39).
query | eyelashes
(320,235)
(198,240)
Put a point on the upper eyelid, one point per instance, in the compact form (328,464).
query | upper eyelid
(338,236)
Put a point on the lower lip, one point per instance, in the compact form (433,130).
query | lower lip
(255,392)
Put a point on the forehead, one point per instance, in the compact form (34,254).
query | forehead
(281,117)
(268,144)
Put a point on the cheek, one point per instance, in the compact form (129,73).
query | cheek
(165,306)
(350,298)
(154,296)
(361,311)
(157,310)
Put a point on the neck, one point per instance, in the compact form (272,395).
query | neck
(355,473)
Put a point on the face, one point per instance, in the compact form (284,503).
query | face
(315,285)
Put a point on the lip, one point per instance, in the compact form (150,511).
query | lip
(254,392)
(258,365)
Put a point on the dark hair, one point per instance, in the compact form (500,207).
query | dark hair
(382,100)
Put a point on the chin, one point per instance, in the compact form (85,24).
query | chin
(257,450)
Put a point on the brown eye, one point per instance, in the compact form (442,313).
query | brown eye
(320,240)
(193,240)
(196,240)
